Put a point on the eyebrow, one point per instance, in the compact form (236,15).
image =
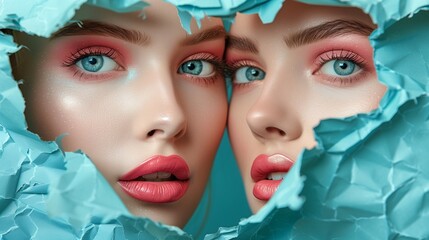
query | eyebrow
(206,35)
(89,27)
(322,31)
(241,43)
(327,30)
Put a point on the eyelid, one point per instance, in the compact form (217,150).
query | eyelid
(216,61)
(341,54)
(204,56)
(81,53)
(77,55)
(233,66)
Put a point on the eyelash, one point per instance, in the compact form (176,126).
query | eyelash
(80,54)
(346,56)
(321,60)
(71,61)
(232,67)
(218,64)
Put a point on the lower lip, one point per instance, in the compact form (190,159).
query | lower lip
(264,189)
(264,165)
(155,192)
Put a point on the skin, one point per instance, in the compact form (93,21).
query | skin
(277,114)
(141,107)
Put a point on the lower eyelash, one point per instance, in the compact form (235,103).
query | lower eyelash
(90,77)
(342,81)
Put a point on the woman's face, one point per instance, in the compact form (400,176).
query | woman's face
(143,99)
(312,63)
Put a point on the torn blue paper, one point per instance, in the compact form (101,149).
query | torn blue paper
(368,179)
(226,9)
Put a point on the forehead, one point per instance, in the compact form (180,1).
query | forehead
(295,16)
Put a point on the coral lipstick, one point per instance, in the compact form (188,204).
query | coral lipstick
(267,172)
(159,179)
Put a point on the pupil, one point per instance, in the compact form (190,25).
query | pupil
(191,66)
(343,65)
(92,61)
(254,72)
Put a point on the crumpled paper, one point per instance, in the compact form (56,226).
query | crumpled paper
(227,9)
(368,178)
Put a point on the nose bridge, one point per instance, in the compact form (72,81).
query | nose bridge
(162,115)
(275,114)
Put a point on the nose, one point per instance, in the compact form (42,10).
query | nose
(168,124)
(160,115)
(273,118)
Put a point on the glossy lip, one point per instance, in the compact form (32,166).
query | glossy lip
(157,191)
(262,166)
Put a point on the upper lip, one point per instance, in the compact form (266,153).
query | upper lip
(173,164)
(265,164)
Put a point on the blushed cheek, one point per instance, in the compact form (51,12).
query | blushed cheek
(57,115)
(214,122)
(370,99)
(241,135)
(206,110)
(377,94)
(53,111)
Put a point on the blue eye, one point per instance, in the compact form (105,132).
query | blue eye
(344,67)
(92,63)
(97,63)
(340,67)
(247,74)
(197,67)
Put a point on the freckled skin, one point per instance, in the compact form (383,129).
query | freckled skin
(278,114)
(127,115)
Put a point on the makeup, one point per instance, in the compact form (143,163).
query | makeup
(159,179)
(142,87)
(267,172)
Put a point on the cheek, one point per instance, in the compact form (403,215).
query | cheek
(54,107)
(348,102)
(206,109)
(59,113)
(48,110)
(375,95)
(242,140)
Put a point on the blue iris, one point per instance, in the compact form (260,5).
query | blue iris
(248,74)
(344,67)
(194,67)
(92,63)
(253,73)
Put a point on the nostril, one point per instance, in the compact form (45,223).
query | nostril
(162,133)
(275,130)
(151,133)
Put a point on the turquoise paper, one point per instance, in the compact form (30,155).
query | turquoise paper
(367,179)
